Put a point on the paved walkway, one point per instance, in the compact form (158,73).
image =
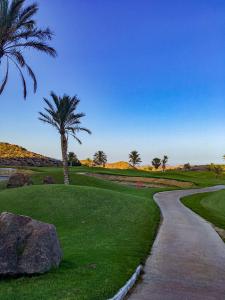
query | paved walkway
(188,256)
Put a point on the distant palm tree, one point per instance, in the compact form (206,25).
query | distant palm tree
(19,32)
(164,162)
(71,158)
(100,158)
(134,158)
(187,166)
(62,115)
(156,162)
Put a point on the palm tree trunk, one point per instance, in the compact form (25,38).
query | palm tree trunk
(64,159)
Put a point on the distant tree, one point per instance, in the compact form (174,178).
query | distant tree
(61,114)
(164,162)
(100,158)
(71,157)
(187,166)
(18,33)
(156,162)
(134,158)
(73,160)
(211,167)
(218,170)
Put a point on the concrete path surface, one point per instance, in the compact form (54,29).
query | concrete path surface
(188,256)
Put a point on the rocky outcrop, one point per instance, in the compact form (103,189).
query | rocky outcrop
(32,162)
(27,246)
(14,155)
(19,180)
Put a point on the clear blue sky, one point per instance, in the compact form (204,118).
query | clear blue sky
(150,75)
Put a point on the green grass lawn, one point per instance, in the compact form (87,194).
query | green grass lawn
(106,230)
(211,206)
(199,178)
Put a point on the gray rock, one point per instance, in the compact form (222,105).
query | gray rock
(27,246)
(48,180)
(19,180)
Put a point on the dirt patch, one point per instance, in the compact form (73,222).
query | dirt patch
(143,181)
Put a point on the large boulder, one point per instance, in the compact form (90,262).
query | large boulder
(27,246)
(48,180)
(19,180)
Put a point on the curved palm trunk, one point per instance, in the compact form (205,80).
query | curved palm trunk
(64,158)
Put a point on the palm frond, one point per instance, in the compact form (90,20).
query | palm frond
(18,33)
(85,129)
(22,78)
(5,78)
(47,119)
(61,113)
(77,139)
(32,75)
(36,45)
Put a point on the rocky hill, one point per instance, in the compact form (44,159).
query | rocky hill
(14,155)
(123,165)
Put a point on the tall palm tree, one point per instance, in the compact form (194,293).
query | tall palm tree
(100,158)
(61,114)
(134,158)
(19,32)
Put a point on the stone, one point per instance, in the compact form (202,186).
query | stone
(19,180)
(48,180)
(27,246)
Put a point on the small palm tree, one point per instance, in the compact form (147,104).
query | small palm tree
(134,158)
(164,162)
(62,115)
(19,32)
(156,162)
(100,159)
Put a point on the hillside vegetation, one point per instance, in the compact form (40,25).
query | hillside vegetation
(14,155)
(14,151)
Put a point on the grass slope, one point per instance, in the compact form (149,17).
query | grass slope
(105,229)
(211,206)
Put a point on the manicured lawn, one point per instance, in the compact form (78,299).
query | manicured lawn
(211,206)
(199,178)
(105,232)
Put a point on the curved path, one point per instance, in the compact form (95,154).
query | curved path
(188,256)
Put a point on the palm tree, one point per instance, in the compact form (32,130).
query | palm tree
(134,158)
(187,167)
(71,158)
(19,32)
(164,162)
(156,162)
(100,158)
(62,115)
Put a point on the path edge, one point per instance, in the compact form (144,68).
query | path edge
(122,293)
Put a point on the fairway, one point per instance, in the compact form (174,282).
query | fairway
(198,178)
(104,235)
